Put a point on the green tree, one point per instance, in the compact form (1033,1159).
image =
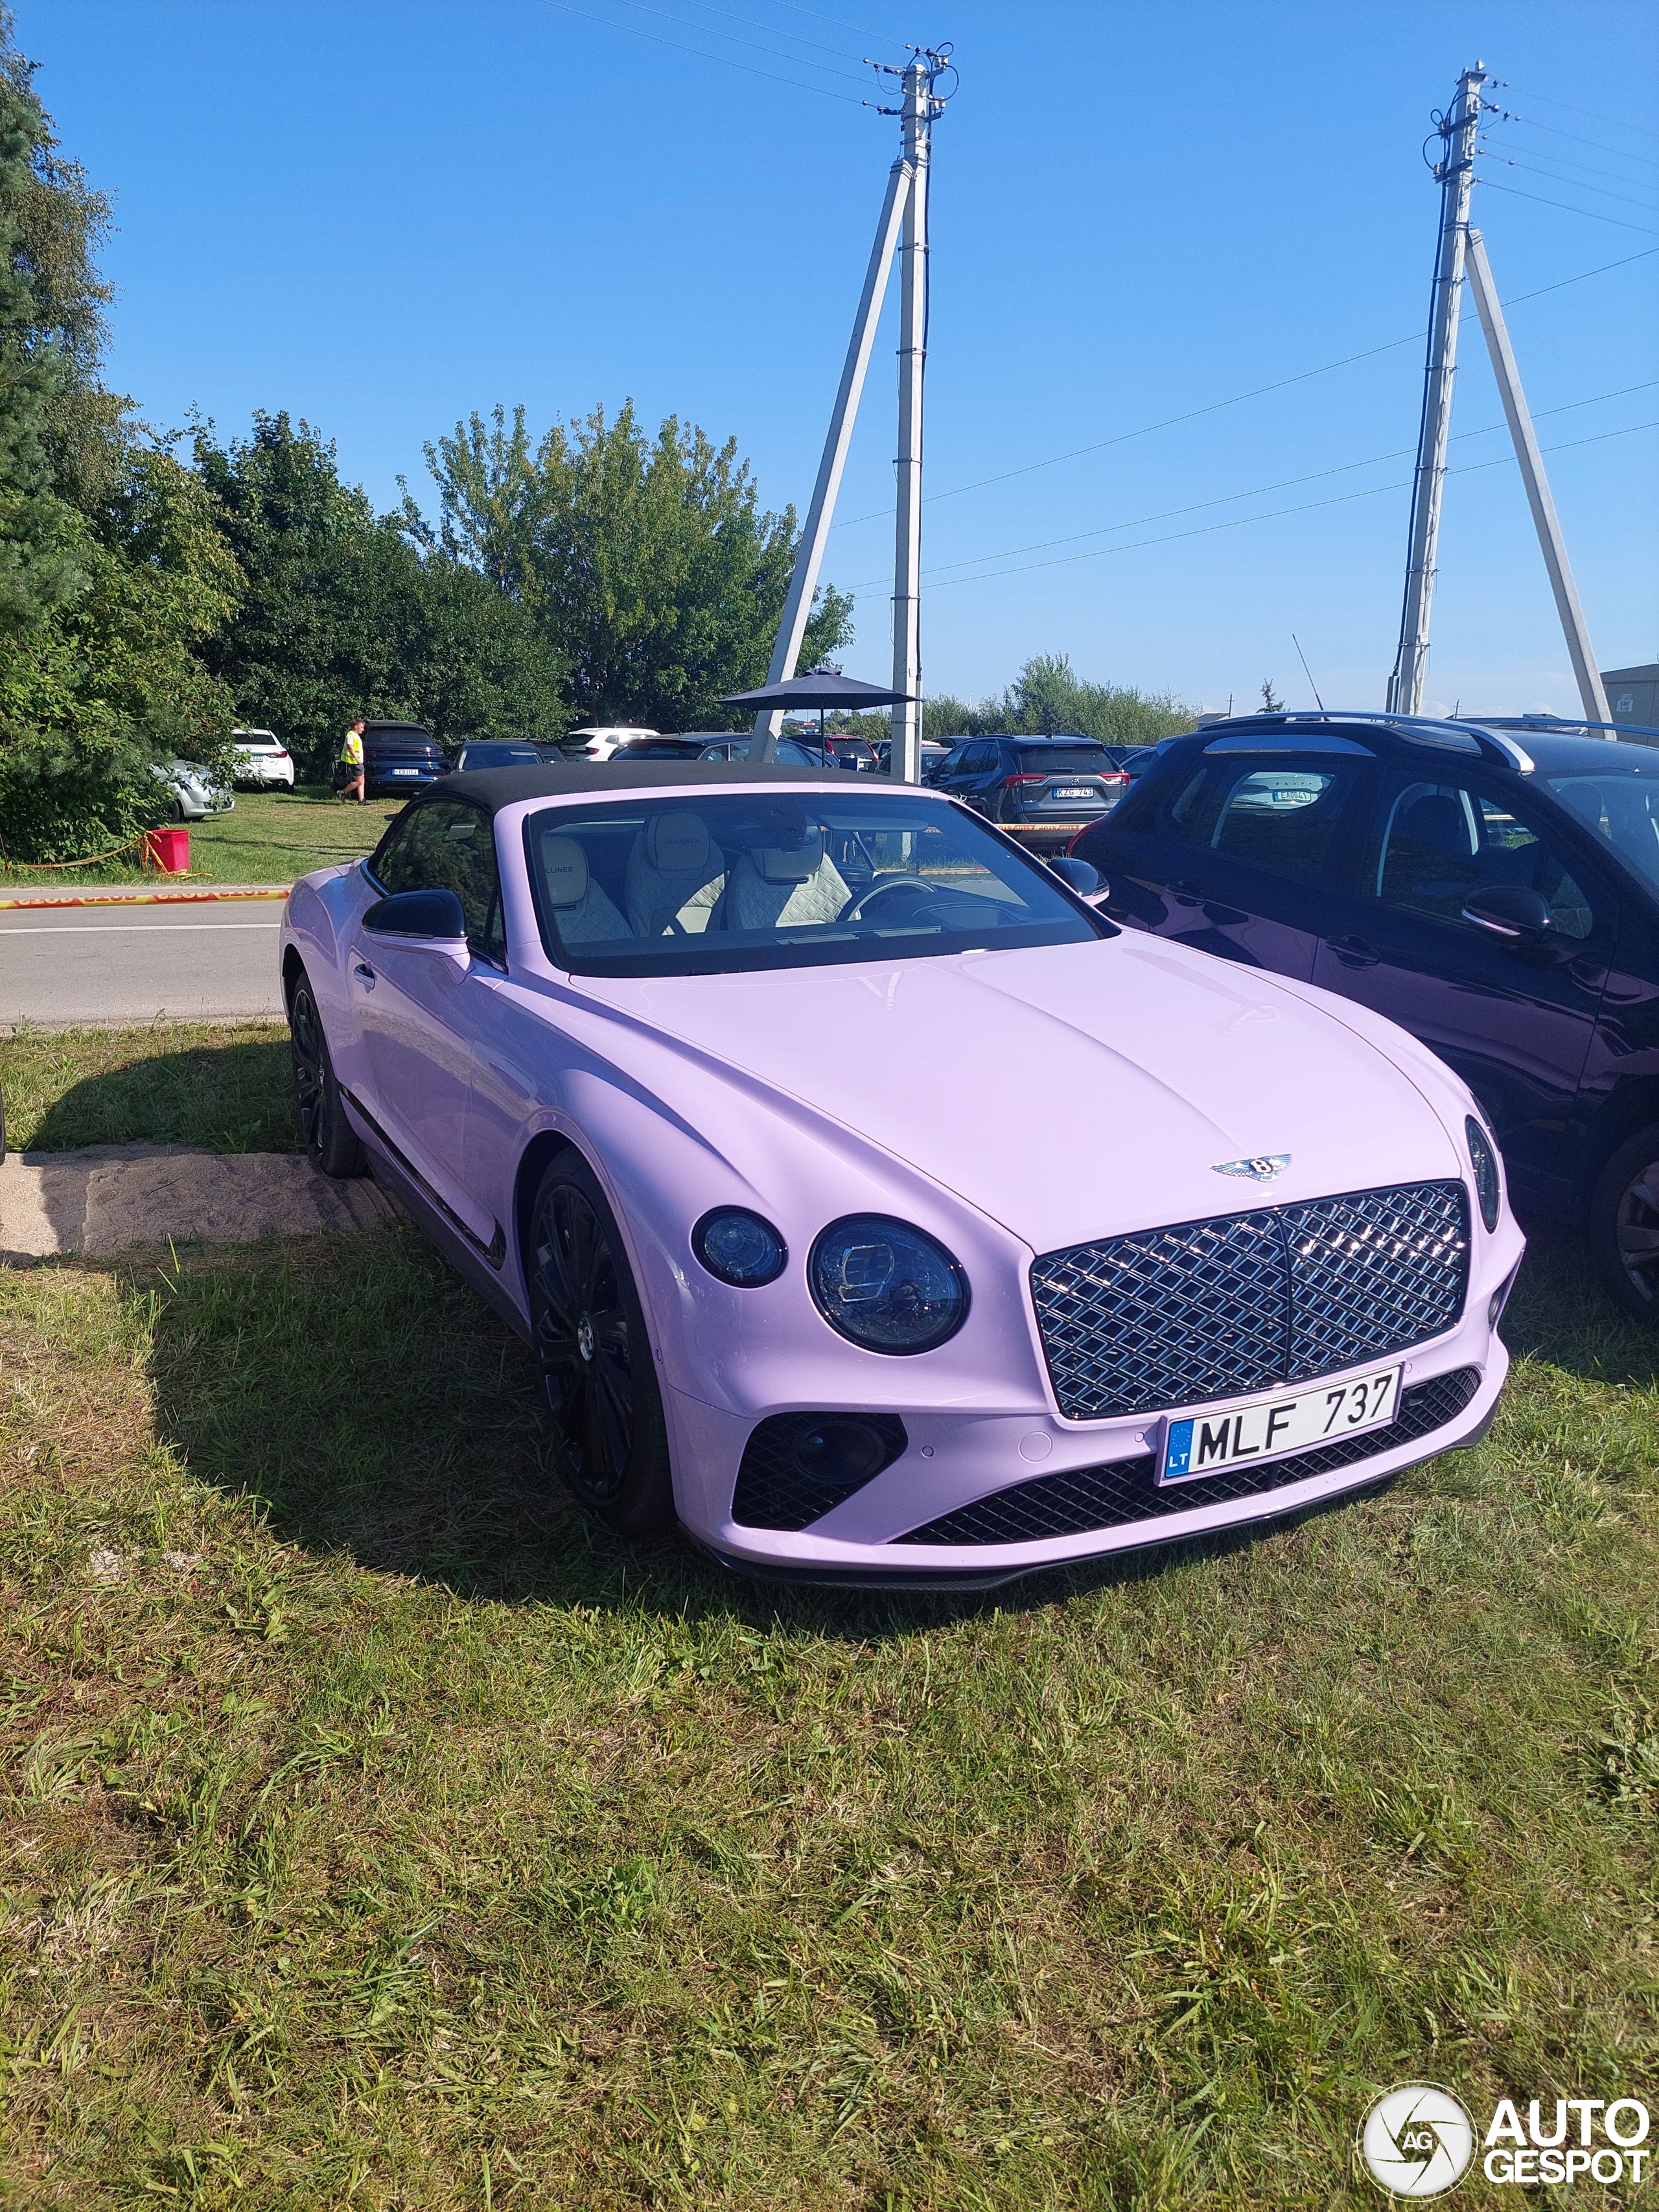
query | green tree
(647,559)
(111,571)
(342,614)
(40,565)
(1047,695)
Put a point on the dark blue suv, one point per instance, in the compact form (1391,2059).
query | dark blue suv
(1494,890)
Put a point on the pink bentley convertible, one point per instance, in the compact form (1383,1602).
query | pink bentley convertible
(873,1205)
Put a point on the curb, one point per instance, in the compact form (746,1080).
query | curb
(143,898)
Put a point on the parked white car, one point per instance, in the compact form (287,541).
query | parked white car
(192,789)
(597,741)
(262,760)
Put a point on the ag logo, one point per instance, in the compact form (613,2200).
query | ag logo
(1417,2140)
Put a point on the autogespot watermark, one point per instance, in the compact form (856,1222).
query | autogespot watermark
(1419,2140)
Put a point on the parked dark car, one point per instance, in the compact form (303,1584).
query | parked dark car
(790,751)
(399,757)
(687,745)
(497,752)
(1041,790)
(1496,892)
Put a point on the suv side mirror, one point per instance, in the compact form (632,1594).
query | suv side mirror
(1080,877)
(1509,910)
(434,917)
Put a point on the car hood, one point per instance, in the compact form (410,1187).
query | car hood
(1075,1091)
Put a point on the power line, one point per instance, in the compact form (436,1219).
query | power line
(721,61)
(817,45)
(1594,215)
(1591,115)
(1285,483)
(1240,522)
(1509,115)
(1581,276)
(824,68)
(1487,154)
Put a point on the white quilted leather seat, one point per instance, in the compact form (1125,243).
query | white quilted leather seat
(582,912)
(676,873)
(778,888)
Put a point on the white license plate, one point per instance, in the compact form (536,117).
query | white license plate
(406,771)
(1076,791)
(1207,1443)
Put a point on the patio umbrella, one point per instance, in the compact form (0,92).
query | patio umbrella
(822,688)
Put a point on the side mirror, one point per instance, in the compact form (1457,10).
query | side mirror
(1509,910)
(434,917)
(1077,876)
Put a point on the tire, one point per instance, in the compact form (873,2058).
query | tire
(1623,1224)
(597,1372)
(324,1134)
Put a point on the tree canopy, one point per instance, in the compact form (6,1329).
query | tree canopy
(646,556)
(1047,696)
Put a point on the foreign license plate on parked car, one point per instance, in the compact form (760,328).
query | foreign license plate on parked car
(1209,1442)
(1075,791)
(406,771)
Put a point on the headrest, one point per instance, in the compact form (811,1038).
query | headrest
(678,842)
(778,865)
(564,870)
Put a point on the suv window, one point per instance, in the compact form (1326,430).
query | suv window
(448,845)
(1065,760)
(1431,841)
(1279,815)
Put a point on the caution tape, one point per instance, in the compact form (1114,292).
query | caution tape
(143,898)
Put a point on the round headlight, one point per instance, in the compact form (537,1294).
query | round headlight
(1482,1158)
(886,1286)
(739,1247)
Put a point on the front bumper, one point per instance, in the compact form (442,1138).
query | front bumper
(982,1472)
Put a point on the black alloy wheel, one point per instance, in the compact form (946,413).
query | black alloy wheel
(324,1134)
(599,1380)
(1623,1224)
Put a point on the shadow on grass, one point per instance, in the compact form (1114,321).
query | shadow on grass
(1559,1314)
(373,1408)
(229,1098)
(358,1392)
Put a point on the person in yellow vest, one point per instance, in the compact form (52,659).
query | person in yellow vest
(351,759)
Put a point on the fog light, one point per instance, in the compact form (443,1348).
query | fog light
(843,1453)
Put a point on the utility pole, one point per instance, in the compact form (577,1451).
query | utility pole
(904,223)
(808,557)
(1544,516)
(1456,175)
(904,755)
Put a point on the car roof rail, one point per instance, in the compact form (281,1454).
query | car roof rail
(1460,735)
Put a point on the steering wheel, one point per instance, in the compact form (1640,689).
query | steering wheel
(919,895)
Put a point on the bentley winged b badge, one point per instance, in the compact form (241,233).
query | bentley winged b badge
(1263,1169)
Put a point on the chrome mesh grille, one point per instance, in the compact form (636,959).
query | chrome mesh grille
(1205,1310)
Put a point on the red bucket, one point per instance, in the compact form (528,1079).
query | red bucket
(168,850)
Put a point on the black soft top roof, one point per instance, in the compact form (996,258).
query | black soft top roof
(495,787)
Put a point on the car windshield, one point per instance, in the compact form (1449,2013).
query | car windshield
(492,755)
(1621,804)
(714,884)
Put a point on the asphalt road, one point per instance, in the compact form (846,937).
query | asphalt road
(66,966)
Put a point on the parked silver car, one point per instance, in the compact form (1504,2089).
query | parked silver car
(194,793)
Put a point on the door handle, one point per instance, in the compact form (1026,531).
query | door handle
(1353,951)
(365,974)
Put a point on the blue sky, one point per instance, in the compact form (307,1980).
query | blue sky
(382,214)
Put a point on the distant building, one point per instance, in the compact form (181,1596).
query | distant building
(1633,694)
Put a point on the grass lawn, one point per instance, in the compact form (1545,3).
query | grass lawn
(375,1831)
(224,1085)
(268,837)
